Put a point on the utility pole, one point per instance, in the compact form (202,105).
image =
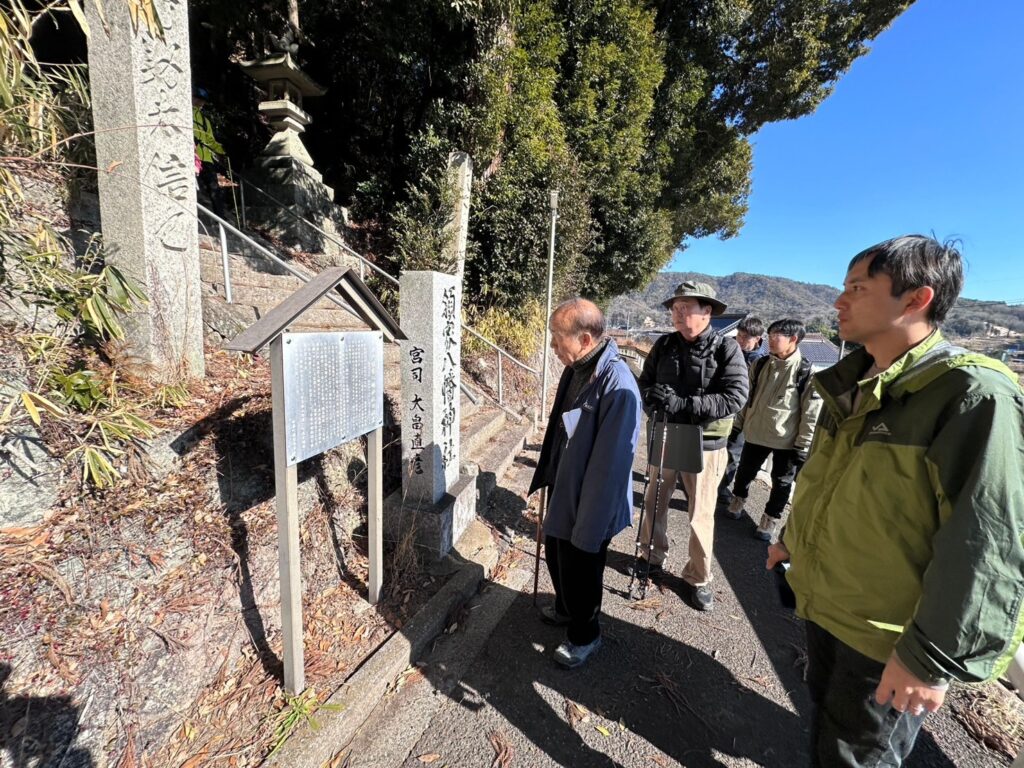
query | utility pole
(547,316)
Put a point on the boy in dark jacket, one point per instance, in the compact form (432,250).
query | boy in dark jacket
(695,376)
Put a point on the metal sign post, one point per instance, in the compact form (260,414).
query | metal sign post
(327,389)
(547,317)
(286,489)
(374,512)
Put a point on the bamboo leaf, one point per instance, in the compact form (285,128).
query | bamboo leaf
(102,14)
(46,405)
(33,412)
(76,10)
(6,415)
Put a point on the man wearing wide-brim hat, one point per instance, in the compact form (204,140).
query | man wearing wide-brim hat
(692,376)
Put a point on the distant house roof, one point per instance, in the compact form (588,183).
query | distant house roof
(726,323)
(819,351)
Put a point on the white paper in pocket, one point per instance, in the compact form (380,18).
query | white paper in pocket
(571,419)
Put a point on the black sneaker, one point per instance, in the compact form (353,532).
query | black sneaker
(642,568)
(702,598)
(550,615)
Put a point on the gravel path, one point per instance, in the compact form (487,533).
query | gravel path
(669,687)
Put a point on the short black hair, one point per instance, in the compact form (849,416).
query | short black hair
(582,316)
(752,326)
(916,261)
(789,326)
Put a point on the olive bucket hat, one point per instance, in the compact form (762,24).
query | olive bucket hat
(692,290)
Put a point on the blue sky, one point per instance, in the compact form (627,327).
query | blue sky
(924,134)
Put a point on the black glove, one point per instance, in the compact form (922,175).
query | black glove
(667,398)
(655,397)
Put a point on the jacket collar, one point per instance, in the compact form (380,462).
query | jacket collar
(838,382)
(701,341)
(793,361)
(610,352)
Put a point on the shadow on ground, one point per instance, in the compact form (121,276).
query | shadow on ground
(741,560)
(674,697)
(39,730)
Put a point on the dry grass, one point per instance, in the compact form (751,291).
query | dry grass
(112,582)
(993,717)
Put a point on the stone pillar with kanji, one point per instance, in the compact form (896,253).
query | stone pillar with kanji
(141,86)
(430,312)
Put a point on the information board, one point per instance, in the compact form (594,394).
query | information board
(333,389)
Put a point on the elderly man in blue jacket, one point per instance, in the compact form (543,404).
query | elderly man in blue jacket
(586,462)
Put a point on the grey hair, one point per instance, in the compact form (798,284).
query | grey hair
(581,316)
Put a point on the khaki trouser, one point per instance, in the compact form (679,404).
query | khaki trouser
(702,492)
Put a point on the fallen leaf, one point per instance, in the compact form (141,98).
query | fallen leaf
(575,713)
(110,169)
(196,760)
(430,757)
(602,730)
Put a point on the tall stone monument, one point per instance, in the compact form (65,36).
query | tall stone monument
(460,173)
(141,86)
(437,501)
(431,371)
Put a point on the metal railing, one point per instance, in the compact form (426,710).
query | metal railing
(224,226)
(242,220)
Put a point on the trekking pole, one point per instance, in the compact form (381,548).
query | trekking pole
(540,528)
(657,503)
(643,500)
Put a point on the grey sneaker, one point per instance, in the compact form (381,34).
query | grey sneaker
(569,655)
(550,615)
(702,598)
(735,510)
(767,528)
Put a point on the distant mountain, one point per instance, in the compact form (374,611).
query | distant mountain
(772,298)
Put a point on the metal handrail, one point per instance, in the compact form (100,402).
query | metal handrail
(363,260)
(222,224)
(501,351)
(263,250)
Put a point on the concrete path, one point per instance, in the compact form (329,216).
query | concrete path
(669,686)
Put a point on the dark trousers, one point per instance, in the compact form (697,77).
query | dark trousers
(735,448)
(785,465)
(849,729)
(578,577)
(206,181)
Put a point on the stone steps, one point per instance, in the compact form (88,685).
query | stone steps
(212,271)
(478,429)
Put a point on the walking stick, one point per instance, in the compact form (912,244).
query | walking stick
(540,528)
(643,500)
(657,503)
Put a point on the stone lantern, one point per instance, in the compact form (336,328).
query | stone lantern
(285,169)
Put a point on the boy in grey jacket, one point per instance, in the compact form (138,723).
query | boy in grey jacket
(778,421)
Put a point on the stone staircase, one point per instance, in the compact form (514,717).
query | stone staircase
(490,437)
(257,284)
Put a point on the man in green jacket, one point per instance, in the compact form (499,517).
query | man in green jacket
(208,152)
(906,537)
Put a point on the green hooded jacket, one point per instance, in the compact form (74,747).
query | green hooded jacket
(207,146)
(907,528)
